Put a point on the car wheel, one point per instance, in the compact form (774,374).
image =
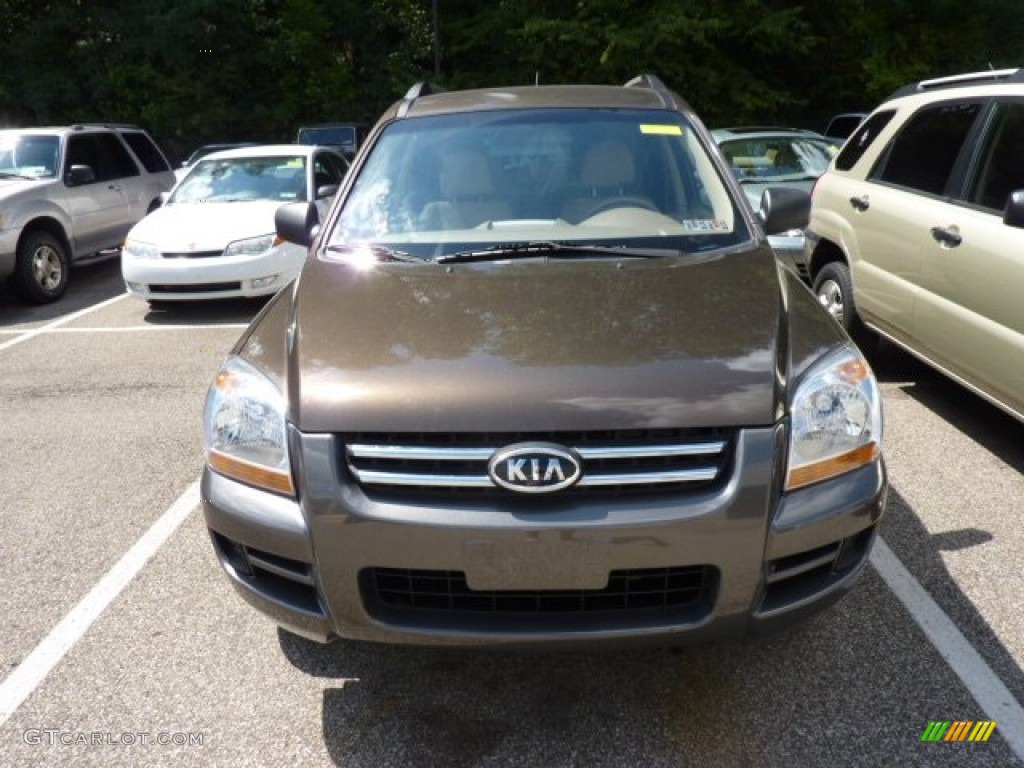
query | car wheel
(42,269)
(834,289)
(835,292)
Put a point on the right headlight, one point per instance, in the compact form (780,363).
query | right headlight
(139,250)
(244,428)
(835,419)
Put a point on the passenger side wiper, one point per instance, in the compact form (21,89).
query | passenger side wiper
(378,252)
(6,175)
(531,249)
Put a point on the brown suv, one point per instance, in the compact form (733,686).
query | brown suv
(541,380)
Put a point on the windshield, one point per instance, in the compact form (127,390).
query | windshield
(30,156)
(778,158)
(438,185)
(282,179)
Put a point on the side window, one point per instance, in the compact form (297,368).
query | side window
(147,151)
(82,150)
(326,170)
(922,155)
(118,161)
(862,138)
(1001,162)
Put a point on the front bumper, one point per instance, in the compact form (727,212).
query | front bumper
(342,563)
(219,277)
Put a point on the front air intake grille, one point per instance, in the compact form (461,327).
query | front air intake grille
(277,578)
(793,579)
(632,597)
(195,288)
(613,462)
(192,254)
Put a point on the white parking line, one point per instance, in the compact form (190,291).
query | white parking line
(136,328)
(984,685)
(59,322)
(28,675)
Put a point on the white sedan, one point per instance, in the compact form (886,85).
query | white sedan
(214,236)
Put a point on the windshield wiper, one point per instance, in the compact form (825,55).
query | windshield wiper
(379,252)
(6,175)
(531,249)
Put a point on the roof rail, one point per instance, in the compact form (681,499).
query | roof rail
(1014,75)
(654,83)
(422,88)
(80,126)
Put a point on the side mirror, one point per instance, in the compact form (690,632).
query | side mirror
(784,209)
(1013,213)
(297,223)
(327,190)
(78,175)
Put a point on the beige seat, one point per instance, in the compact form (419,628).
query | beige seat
(607,175)
(468,194)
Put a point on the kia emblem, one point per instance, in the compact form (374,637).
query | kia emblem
(535,467)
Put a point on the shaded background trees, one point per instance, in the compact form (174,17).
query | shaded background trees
(195,71)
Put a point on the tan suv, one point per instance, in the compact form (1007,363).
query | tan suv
(917,230)
(68,194)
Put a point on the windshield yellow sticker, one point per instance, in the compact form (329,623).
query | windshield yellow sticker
(665,130)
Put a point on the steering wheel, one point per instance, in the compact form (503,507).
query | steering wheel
(609,203)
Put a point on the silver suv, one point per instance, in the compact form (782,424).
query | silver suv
(917,230)
(67,194)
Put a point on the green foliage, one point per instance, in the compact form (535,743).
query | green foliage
(195,71)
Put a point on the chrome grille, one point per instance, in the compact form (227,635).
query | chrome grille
(624,461)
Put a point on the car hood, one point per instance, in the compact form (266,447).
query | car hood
(205,226)
(533,345)
(11,187)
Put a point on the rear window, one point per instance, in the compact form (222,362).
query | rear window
(862,138)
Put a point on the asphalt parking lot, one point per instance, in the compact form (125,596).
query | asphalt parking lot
(123,644)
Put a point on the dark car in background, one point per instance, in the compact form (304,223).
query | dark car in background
(541,380)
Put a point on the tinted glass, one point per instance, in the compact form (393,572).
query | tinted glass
(146,151)
(430,184)
(862,138)
(923,153)
(1001,164)
(116,161)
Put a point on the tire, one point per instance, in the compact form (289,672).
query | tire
(42,268)
(834,289)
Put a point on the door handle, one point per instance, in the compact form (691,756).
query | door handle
(860,203)
(947,237)
(115,187)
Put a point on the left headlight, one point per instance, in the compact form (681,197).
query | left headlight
(139,250)
(836,419)
(251,246)
(244,428)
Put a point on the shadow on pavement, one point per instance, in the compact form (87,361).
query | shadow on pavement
(211,312)
(89,284)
